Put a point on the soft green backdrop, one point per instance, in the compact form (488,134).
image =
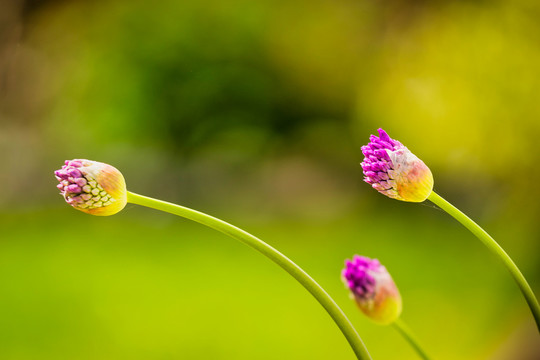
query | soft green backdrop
(255,111)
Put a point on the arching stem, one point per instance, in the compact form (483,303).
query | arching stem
(288,265)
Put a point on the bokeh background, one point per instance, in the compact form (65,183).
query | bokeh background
(255,111)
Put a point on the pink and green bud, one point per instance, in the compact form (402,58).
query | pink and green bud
(391,169)
(92,187)
(373,289)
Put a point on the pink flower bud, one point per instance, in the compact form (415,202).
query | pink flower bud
(394,171)
(373,289)
(92,187)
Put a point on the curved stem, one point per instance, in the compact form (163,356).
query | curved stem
(404,330)
(300,275)
(495,248)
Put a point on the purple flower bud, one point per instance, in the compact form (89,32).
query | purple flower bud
(373,289)
(391,169)
(92,187)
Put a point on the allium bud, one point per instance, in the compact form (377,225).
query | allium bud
(373,289)
(92,187)
(394,171)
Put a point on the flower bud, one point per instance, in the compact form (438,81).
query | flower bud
(373,289)
(92,187)
(394,171)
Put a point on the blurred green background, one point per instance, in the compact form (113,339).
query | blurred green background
(255,111)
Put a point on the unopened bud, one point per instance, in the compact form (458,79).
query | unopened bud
(92,187)
(373,289)
(393,170)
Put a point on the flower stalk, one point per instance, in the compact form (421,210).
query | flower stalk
(495,248)
(404,330)
(288,265)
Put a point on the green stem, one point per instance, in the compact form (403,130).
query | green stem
(300,275)
(495,248)
(404,330)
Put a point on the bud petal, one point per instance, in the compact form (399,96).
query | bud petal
(393,170)
(92,187)
(373,289)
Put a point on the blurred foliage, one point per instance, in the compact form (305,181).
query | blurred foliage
(142,285)
(255,111)
(179,75)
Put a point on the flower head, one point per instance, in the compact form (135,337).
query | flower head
(93,187)
(394,171)
(373,289)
